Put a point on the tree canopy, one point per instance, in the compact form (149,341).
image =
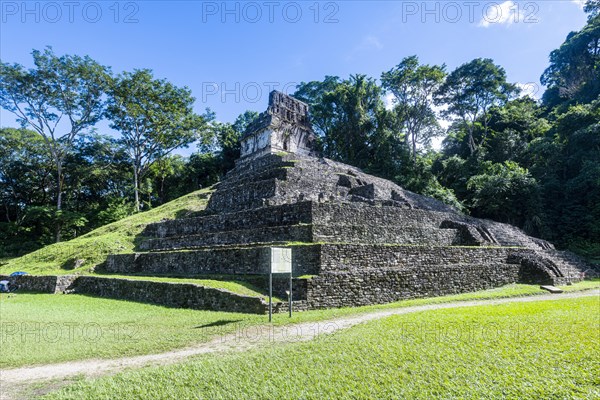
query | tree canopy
(154,117)
(59,98)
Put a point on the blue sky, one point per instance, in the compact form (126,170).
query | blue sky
(230,54)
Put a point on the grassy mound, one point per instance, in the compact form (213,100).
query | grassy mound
(93,247)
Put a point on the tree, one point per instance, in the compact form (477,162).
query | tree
(592,7)
(574,71)
(512,128)
(355,127)
(224,140)
(321,113)
(413,87)
(228,138)
(25,175)
(243,120)
(347,115)
(97,179)
(566,163)
(166,174)
(154,117)
(470,91)
(508,193)
(59,98)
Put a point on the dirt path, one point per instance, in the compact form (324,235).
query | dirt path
(14,381)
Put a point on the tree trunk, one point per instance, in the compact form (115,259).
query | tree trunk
(414,148)
(59,183)
(136,188)
(472,145)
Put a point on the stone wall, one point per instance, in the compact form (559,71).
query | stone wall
(360,257)
(180,295)
(214,261)
(359,214)
(246,196)
(350,275)
(272,235)
(388,285)
(384,234)
(313,259)
(310,221)
(309,178)
(355,275)
(309,233)
(39,284)
(287,214)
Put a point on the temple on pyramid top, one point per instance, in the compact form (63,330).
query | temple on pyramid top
(285,126)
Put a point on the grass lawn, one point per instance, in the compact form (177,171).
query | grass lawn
(95,246)
(45,328)
(540,350)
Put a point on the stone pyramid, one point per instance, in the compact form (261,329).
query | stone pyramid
(356,239)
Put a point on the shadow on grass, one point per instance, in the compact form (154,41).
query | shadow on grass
(221,322)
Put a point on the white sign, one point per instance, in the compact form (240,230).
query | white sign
(281,260)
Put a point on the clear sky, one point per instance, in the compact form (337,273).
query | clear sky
(230,54)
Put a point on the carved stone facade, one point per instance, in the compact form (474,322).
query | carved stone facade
(283,127)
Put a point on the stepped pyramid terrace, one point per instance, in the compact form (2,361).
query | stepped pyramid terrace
(356,239)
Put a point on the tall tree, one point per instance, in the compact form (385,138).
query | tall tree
(59,98)
(413,87)
(574,71)
(347,115)
(592,7)
(25,175)
(154,117)
(470,91)
(512,128)
(321,112)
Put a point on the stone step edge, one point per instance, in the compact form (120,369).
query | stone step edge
(306,244)
(275,227)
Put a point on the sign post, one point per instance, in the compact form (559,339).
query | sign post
(281,263)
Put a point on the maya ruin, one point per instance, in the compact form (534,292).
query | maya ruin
(356,239)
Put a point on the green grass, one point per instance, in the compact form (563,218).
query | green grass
(45,328)
(589,284)
(95,246)
(527,350)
